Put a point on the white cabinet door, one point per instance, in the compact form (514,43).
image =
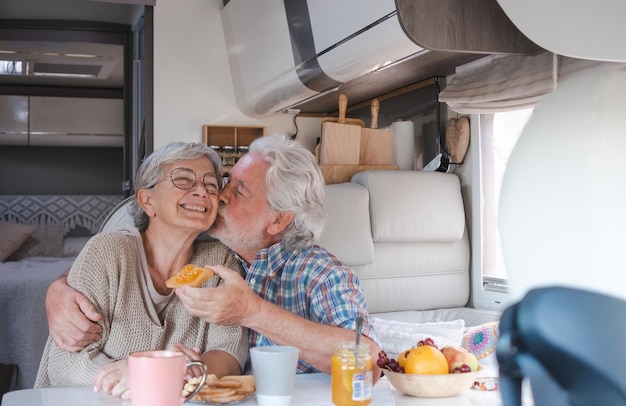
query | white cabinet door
(13,120)
(76,121)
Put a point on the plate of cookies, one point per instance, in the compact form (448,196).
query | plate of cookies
(227,390)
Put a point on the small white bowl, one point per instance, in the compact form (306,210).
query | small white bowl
(432,386)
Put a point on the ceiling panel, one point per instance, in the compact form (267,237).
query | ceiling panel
(40,49)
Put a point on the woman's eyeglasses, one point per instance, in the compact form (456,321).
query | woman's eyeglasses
(185,179)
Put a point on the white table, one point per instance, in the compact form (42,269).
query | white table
(310,390)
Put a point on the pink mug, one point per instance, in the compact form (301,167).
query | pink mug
(157,378)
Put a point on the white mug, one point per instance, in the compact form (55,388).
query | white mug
(274,369)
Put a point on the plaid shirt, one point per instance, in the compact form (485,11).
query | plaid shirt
(312,283)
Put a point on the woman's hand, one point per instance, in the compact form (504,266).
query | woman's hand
(112,379)
(191,354)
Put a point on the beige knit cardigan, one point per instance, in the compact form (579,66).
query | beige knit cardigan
(106,271)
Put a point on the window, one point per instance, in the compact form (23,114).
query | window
(9,67)
(499,133)
(499,92)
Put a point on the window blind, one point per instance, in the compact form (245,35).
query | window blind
(509,82)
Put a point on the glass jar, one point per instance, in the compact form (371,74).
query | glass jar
(229,160)
(351,375)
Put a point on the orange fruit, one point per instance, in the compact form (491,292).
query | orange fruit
(402,357)
(191,275)
(425,359)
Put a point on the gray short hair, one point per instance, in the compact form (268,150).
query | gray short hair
(150,170)
(294,183)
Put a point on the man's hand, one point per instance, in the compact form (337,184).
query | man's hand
(72,319)
(112,379)
(231,303)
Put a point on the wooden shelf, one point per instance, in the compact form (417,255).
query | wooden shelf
(234,136)
(230,136)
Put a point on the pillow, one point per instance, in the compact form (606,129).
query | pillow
(397,336)
(12,235)
(45,241)
(73,245)
(481,341)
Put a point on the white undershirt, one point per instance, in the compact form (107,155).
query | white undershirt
(154,301)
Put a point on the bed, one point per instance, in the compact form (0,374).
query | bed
(40,236)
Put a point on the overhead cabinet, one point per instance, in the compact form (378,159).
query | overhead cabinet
(320,48)
(13,120)
(61,121)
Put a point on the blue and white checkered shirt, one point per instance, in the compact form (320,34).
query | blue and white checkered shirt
(312,283)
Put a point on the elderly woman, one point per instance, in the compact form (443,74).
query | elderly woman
(123,274)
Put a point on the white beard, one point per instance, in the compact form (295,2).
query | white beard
(248,238)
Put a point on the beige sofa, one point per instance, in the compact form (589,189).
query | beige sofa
(404,234)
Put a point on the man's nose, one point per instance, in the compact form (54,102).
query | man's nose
(224,195)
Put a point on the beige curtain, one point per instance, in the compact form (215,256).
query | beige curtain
(509,82)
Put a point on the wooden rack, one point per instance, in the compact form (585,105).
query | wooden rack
(230,136)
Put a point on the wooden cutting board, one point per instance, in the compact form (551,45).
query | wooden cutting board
(376,145)
(341,142)
(457,138)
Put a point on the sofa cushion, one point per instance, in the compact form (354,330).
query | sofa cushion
(391,292)
(472,317)
(12,236)
(396,336)
(481,341)
(414,206)
(347,233)
(45,241)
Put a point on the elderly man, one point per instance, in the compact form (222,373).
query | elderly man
(294,293)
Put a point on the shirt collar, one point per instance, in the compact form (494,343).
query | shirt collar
(276,255)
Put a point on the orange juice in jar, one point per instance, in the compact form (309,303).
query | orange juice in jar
(351,375)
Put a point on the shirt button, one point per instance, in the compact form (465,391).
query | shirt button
(252,281)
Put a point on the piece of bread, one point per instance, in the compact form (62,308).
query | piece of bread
(227,389)
(247,382)
(234,398)
(211,392)
(191,275)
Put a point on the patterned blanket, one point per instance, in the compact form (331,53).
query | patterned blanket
(88,211)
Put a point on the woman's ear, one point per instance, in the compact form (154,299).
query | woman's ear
(144,198)
(280,222)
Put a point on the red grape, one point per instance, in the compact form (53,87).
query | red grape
(389,364)
(427,341)
(382,362)
(462,369)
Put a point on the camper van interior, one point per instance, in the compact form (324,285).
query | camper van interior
(497,135)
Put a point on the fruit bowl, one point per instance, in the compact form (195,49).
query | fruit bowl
(432,386)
